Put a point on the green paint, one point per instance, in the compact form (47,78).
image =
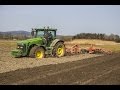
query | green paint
(38,39)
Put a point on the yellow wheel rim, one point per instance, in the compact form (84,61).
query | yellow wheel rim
(39,54)
(60,51)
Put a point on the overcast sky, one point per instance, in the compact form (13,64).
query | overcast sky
(68,19)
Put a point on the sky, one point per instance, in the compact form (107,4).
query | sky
(67,19)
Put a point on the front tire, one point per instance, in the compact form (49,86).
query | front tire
(37,52)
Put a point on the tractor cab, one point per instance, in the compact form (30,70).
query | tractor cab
(46,33)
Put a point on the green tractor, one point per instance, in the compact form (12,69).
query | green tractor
(42,43)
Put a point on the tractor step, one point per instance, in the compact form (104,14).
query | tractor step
(48,50)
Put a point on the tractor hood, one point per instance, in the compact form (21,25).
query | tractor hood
(33,40)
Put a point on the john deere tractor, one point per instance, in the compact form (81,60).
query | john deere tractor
(42,43)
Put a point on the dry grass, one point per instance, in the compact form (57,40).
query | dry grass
(7,45)
(85,43)
(91,41)
(114,48)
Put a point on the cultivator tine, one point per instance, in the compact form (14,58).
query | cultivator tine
(75,49)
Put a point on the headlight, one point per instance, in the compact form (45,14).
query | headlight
(21,47)
(18,46)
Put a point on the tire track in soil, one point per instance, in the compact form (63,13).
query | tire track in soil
(96,77)
(45,72)
(87,74)
(58,72)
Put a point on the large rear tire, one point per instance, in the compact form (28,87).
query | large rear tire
(37,52)
(59,49)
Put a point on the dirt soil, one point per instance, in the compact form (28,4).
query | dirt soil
(102,70)
(76,69)
(9,63)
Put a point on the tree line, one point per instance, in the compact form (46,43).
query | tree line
(8,36)
(100,36)
(111,37)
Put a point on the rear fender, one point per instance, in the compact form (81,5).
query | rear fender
(55,42)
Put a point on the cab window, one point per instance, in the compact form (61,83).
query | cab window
(40,34)
(52,32)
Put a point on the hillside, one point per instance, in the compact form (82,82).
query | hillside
(16,32)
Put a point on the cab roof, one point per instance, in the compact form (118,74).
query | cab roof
(43,29)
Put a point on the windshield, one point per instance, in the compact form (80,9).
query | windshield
(43,33)
(40,34)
